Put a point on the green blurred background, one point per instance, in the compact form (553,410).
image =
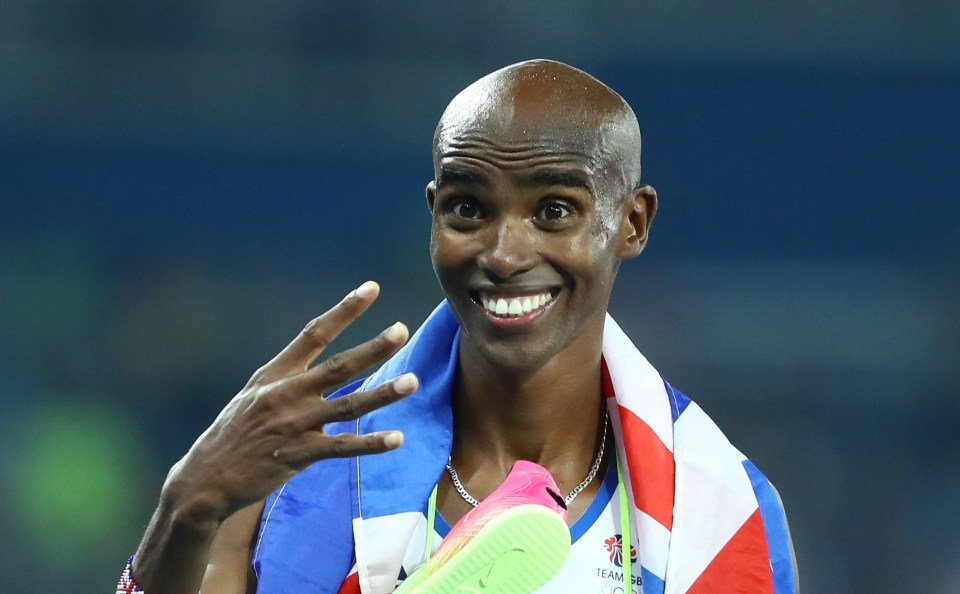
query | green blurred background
(184,184)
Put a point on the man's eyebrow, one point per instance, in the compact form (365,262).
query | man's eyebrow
(462,176)
(571,178)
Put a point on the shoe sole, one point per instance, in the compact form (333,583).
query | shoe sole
(515,553)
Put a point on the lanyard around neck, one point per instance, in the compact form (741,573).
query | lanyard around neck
(625,539)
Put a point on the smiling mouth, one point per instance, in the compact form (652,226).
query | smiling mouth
(512,306)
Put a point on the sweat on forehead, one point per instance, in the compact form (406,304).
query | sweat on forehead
(541,101)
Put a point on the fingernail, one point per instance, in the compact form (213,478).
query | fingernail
(395,333)
(406,383)
(393,439)
(365,290)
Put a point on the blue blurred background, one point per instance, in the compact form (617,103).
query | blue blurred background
(184,184)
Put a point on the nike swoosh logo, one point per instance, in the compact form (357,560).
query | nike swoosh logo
(492,572)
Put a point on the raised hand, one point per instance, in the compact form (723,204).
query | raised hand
(275,426)
(266,434)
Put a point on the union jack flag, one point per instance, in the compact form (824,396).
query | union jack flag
(707,521)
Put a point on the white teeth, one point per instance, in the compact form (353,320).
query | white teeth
(515,306)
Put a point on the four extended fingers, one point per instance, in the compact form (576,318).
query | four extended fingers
(295,360)
(320,332)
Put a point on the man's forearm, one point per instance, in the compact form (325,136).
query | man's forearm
(264,436)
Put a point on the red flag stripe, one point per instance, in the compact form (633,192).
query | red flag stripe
(742,566)
(351,585)
(652,480)
(652,470)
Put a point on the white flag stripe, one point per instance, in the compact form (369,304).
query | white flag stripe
(378,575)
(637,384)
(654,544)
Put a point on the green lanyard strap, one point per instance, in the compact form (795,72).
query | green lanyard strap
(626,549)
(431,521)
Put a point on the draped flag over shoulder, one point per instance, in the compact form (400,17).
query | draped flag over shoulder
(708,521)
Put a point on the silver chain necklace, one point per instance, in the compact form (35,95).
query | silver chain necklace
(566,500)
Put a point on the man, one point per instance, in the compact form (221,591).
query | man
(536,201)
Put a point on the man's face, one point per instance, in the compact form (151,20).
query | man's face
(524,239)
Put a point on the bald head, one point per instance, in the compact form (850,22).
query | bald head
(538,103)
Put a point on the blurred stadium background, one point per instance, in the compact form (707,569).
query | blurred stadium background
(184,184)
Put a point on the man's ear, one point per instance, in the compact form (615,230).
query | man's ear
(636,224)
(431,194)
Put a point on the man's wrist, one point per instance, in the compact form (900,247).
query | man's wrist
(190,511)
(188,507)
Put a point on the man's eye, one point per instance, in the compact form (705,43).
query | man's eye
(554,211)
(466,210)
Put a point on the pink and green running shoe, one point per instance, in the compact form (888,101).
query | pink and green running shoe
(513,542)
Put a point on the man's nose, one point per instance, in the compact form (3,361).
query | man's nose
(511,250)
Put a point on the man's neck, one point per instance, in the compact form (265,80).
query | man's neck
(551,415)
